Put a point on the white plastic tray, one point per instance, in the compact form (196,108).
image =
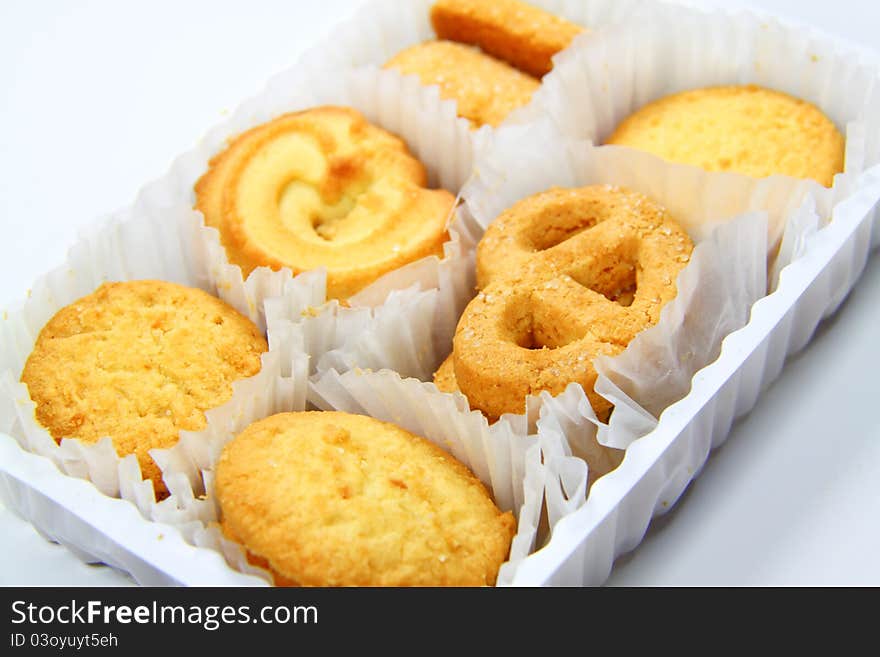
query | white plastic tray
(585,543)
(101,529)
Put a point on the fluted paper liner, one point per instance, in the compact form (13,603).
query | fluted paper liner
(428,125)
(382,28)
(726,275)
(604,77)
(502,455)
(134,244)
(409,332)
(655,472)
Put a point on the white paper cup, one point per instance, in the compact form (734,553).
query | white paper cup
(604,77)
(161,244)
(382,28)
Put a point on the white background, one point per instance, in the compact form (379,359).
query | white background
(98,97)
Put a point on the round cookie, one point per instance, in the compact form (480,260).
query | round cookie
(747,129)
(336,499)
(323,188)
(139,361)
(565,276)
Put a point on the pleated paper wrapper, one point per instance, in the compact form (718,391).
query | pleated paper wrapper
(506,460)
(399,333)
(164,245)
(428,125)
(380,29)
(604,77)
(160,236)
(669,451)
(128,247)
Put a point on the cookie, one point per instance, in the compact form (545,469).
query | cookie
(139,361)
(323,188)
(565,276)
(747,129)
(486,89)
(336,499)
(515,32)
(444,377)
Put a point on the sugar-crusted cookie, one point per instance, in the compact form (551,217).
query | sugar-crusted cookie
(565,276)
(139,361)
(486,89)
(747,129)
(336,499)
(444,377)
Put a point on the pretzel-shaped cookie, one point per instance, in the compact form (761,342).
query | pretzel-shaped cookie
(565,276)
(323,188)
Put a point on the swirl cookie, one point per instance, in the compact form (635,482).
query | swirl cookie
(747,129)
(323,188)
(336,499)
(515,32)
(139,361)
(486,89)
(564,276)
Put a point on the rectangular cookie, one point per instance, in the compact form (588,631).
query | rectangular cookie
(522,35)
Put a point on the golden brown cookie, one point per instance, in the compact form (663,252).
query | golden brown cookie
(444,377)
(336,499)
(600,458)
(747,129)
(518,33)
(139,361)
(565,276)
(323,188)
(486,89)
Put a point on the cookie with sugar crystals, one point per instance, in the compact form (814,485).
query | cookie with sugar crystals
(337,499)
(486,89)
(139,361)
(565,276)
